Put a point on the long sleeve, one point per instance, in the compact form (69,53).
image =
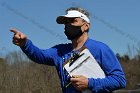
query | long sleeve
(115,78)
(39,56)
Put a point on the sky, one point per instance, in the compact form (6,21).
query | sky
(113,22)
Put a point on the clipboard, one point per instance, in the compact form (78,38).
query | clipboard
(85,64)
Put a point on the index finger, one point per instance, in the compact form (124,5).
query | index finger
(74,79)
(76,76)
(14,31)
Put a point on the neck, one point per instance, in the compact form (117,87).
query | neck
(79,42)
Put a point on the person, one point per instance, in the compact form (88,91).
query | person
(77,24)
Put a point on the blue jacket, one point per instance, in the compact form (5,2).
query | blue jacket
(56,56)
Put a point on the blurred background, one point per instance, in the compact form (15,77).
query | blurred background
(114,22)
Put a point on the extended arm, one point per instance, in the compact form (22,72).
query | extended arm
(34,53)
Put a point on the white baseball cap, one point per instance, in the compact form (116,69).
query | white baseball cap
(72,14)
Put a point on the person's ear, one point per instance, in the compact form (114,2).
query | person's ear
(87,26)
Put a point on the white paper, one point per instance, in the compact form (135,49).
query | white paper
(87,66)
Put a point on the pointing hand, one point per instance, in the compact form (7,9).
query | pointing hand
(19,38)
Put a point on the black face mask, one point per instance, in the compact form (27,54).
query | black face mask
(72,31)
